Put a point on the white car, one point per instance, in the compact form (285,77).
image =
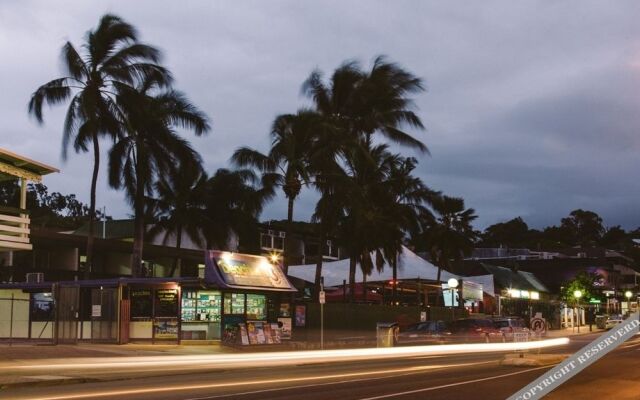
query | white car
(612,321)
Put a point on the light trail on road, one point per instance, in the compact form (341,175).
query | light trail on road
(282,358)
(176,388)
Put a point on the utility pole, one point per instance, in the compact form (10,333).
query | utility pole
(321,300)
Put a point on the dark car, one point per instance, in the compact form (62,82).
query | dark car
(475,330)
(428,332)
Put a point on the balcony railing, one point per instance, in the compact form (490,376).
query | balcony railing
(14,229)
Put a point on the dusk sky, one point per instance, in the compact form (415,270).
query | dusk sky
(532,108)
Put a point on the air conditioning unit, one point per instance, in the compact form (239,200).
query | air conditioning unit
(35,277)
(282,234)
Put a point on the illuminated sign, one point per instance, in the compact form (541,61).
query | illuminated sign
(249,271)
(523,294)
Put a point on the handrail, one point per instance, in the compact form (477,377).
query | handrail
(13,210)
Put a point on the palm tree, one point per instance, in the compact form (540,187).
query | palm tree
(111,55)
(450,235)
(286,164)
(179,207)
(365,103)
(233,203)
(150,147)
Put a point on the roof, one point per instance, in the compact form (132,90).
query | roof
(114,229)
(506,278)
(15,165)
(410,266)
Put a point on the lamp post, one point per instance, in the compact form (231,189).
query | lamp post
(628,295)
(577,294)
(453,284)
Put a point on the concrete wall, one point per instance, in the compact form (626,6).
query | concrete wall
(140,330)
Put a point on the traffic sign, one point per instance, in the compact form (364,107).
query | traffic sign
(322,299)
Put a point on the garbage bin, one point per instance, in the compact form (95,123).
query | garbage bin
(601,321)
(387,334)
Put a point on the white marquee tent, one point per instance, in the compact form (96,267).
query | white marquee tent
(410,266)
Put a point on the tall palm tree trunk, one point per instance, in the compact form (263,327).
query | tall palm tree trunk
(394,288)
(286,260)
(92,206)
(138,234)
(352,278)
(321,238)
(177,261)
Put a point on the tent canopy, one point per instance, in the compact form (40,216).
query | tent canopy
(410,266)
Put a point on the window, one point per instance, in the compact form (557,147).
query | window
(141,306)
(272,241)
(278,243)
(166,303)
(41,307)
(234,303)
(256,306)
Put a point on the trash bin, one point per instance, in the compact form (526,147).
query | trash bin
(601,321)
(387,334)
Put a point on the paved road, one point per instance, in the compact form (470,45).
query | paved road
(433,377)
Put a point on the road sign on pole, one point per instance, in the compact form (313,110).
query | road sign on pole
(322,298)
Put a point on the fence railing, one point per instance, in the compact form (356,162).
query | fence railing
(14,228)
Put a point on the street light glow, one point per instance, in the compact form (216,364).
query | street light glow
(453,283)
(577,294)
(628,294)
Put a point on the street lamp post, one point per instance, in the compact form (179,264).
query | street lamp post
(628,295)
(453,284)
(577,294)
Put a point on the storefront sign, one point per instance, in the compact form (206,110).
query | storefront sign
(234,270)
(471,291)
(96,310)
(166,302)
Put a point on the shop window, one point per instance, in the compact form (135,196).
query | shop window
(141,304)
(256,306)
(41,307)
(166,303)
(234,303)
(201,306)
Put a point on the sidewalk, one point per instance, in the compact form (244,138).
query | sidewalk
(568,332)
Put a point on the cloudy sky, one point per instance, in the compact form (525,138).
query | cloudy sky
(532,108)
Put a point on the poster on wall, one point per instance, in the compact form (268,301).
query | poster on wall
(244,337)
(276,333)
(301,316)
(285,310)
(165,329)
(286,327)
(231,329)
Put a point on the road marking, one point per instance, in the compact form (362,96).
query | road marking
(318,384)
(127,392)
(452,384)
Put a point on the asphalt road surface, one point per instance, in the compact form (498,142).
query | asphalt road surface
(470,376)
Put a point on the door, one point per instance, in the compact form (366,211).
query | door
(68,298)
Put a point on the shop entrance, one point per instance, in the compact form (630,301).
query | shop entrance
(67,314)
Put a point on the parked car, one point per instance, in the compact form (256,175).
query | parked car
(510,325)
(475,330)
(428,332)
(612,321)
